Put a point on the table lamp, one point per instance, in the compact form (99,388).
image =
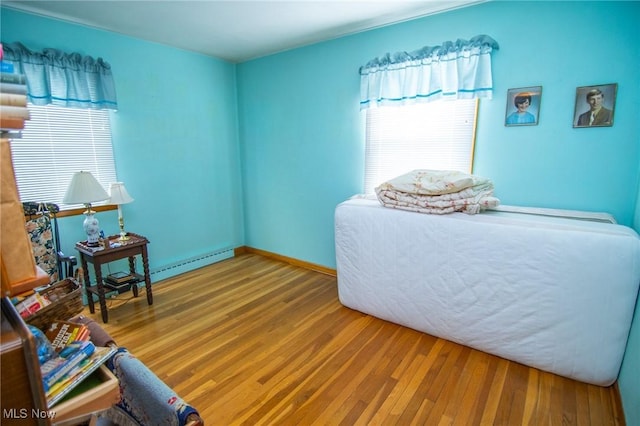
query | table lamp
(119,195)
(85,189)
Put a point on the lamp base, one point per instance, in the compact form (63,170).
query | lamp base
(123,235)
(92,228)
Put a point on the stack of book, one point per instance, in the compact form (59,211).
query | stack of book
(13,101)
(77,357)
(63,333)
(120,281)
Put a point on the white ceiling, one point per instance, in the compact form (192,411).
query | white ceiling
(238,30)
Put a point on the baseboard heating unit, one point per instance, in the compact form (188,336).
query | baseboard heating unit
(190,264)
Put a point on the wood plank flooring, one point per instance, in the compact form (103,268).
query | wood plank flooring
(256,341)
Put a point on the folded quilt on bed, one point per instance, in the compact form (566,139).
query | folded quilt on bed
(438,192)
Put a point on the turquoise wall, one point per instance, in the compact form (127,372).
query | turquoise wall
(174,135)
(265,166)
(302,135)
(629,379)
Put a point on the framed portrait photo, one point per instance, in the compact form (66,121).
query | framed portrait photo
(595,105)
(523,106)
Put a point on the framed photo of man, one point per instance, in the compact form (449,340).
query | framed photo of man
(523,106)
(595,105)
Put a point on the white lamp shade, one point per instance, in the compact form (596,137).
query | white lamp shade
(118,194)
(84,189)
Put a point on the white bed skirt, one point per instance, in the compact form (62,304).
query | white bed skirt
(553,293)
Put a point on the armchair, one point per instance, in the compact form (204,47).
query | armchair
(41,223)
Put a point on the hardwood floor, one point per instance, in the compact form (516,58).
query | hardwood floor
(252,340)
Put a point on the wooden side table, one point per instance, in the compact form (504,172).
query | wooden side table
(134,246)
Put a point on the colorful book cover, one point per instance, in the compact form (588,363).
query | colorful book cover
(70,357)
(31,304)
(61,333)
(77,375)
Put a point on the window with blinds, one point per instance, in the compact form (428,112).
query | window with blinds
(437,135)
(57,142)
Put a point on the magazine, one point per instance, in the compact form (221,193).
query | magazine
(74,377)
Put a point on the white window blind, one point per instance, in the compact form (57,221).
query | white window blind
(57,142)
(436,135)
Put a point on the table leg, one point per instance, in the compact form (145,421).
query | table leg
(132,270)
(99,285)
(147,275)
(85,273)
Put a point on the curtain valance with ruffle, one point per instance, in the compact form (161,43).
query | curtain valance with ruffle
(454,70)
(65,79)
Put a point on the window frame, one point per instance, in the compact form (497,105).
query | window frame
(49,123)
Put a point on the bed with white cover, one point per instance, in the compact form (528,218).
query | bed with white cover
(552,292)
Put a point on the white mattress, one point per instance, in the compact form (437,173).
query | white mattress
(551,292)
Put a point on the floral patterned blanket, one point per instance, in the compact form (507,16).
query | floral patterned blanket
(438,192)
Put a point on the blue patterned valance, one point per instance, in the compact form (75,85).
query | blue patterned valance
(66,79)
(454,70)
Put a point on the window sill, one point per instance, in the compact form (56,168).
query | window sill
(77,212)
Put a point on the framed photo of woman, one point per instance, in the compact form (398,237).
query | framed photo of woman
(595,105)
(523,106)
